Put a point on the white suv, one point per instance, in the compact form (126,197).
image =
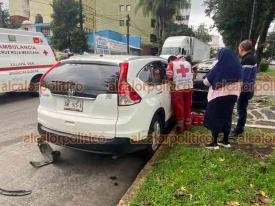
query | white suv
(105,104)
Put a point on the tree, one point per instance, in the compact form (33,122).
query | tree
(263,34)
(163,11)
(1,17)
(179,30)
(65,26)
(269,47)
(234,19)
(4,17)
(202,33)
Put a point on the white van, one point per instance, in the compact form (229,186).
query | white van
(24,58)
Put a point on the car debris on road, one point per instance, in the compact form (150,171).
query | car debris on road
(50,156)
(15,193)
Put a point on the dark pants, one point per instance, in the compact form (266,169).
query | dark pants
(242,110)
(218,116)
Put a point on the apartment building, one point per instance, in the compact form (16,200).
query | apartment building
(183,16)
(103,15)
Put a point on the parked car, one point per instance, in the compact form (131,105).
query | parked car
(204,66)
(105,104)
(24,57)
(200,90)
(65,54)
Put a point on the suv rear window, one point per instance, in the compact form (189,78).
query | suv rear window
(83,80)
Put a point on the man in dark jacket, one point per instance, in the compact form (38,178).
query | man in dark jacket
(249,71)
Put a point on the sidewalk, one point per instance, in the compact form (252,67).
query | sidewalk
(261,112)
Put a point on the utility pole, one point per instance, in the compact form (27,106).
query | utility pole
(128,33)
(94,30)
(81,15)
(252,18)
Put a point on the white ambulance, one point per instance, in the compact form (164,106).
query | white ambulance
(24,58)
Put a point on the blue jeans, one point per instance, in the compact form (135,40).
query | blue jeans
(242,105)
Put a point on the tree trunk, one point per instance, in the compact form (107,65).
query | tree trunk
(263,35)
(1,15)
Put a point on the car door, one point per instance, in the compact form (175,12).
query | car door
(163,89)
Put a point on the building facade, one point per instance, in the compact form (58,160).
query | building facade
(183,16)
(103,15)
(113,15)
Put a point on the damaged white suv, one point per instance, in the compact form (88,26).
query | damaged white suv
(105,104)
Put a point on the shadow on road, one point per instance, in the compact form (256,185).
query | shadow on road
(15,96)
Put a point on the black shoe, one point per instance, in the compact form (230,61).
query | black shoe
(235,134)
(212,146)
(224,144)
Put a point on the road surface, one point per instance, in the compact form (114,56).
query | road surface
(78,179)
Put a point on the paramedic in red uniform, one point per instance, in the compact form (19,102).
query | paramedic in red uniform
(180,74)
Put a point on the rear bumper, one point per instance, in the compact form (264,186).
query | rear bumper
(114,146)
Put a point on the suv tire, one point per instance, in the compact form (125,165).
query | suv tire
(155,135)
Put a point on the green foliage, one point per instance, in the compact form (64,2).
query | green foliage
(233,19)
(79,43)
(264,65)
(163,11)
(179,30)
(270,46)
(4,17)
(202,33)
(66,33)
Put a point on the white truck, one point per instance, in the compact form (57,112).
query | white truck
(24,58)
(185,45)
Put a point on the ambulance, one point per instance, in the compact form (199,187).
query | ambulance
(24,58)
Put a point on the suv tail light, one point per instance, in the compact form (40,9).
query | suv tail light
(126,94)
(46,73)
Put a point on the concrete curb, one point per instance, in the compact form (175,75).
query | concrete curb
(140,179)
(257,126)
(265,78)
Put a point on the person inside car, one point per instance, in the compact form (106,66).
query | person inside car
(180,74)
(225,84)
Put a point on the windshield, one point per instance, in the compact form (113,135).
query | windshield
(171,51)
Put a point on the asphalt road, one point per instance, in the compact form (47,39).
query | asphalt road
(78,179)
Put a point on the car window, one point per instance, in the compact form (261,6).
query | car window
(145,74)
(90,80)
(153,73)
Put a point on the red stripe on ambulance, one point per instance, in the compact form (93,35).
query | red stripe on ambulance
(25,67)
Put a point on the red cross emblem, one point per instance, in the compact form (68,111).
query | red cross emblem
(182,70)
(45,53)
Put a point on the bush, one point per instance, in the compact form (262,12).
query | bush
(264,65)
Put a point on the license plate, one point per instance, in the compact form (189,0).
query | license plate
(73,104)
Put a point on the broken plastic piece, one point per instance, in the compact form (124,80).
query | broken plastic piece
(15,193)
(49,155)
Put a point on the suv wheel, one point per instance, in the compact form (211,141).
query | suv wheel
(34,86)
(155,135)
